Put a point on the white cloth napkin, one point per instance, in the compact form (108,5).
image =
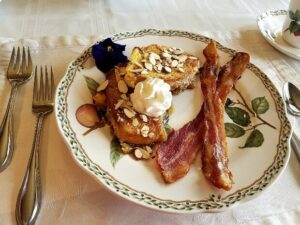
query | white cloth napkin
(70,196)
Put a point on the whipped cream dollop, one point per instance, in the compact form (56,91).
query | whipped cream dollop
(152,97)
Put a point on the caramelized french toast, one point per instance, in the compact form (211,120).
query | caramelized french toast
(128,125)
(173,65)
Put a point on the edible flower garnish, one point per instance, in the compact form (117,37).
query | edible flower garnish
(107,54)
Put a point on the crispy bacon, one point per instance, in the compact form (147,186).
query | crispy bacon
(214,149)
(206,131)
(175,155)
(230,73)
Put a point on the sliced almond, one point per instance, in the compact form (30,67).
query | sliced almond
(167,69)
(145,131)
(181,69)
(144,118)
(119,104)
(126,148)
(178,51)
(154,55)
(102,86)
(182,58)
(166,55)
(174,63)
(148,66)
(145,72)
(149,149)
(138,153)
(129,113)
(135,122)
(122,86)
(152,60)
(145,154)
(193,57)
(138,64)
(137,70)
(159,67)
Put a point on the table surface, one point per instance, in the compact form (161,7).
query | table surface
(58,31)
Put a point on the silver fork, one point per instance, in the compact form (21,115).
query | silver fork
(29,198)
(18,72)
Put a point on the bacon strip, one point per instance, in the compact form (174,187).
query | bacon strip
(175,156)
(214,150)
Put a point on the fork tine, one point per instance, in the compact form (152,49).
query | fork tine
(52,85)
(47,93)
(11,61)
(35,87)
(29,64)
(23,64)
(42,88)
(17,64)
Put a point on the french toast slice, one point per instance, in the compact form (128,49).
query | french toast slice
(173,65)
(128,125)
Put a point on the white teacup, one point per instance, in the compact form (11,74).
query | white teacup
(291,26)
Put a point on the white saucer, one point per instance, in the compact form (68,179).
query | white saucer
(270,25)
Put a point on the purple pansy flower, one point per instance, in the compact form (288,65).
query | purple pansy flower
(107,54)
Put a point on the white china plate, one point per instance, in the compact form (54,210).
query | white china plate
(270,25)
(254,169)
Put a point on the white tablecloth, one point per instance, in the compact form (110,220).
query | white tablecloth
(57,31)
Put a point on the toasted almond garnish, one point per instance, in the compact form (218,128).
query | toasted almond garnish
(182,58)
(154,55)
(122,86)
(178,51)
(145,131)
(166,55)
(102,86)
(152,60)
(148,66)
(144,72)
(149,149)
(136,70)
(193,57)
(174,63)
(144,118)
(168,69)
(135,122)
(138,64)
(145,154)
(181,69)
(119,104)
(126,148)
(129,113)
(138,153)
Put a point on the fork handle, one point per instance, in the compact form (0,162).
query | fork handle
(6,131)
(29,198)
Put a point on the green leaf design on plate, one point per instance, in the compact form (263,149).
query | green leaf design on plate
(168,128)
(260,105)
(297,15)
(294,26)
(92,84)
(255,139)
(233,130)
(238,115)
(291,15)
(115,151)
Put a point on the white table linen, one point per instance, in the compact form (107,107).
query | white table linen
(57,31)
